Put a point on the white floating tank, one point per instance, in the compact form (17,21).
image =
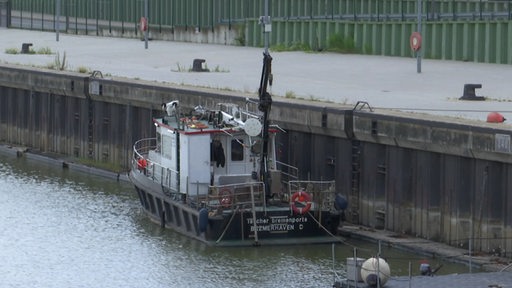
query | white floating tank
(375,272)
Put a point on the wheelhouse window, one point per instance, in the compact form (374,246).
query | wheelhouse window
(237,150)
(158,141)
(167,148)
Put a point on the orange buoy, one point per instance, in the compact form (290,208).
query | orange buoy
(304,199)
(495,117)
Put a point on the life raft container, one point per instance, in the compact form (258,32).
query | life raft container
(304,199)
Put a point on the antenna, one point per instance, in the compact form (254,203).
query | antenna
(265,102)
(267,27)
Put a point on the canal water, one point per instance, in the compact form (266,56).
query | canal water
(62,228)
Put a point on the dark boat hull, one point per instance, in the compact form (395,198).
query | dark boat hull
(273,226)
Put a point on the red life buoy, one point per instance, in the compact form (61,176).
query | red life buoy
(303,198)
(225,197)
(142,163)
(143,24)
(415,41)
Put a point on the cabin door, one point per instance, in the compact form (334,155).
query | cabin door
(230,156)
(237,156)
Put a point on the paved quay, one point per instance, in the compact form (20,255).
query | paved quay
(427,248)
(383,82)
(497,271)
(475,280)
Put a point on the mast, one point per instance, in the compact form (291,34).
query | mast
(265,102)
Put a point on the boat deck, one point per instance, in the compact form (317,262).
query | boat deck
(475,280)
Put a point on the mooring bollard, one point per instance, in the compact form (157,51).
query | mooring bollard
(197,65)
(470,94)
(25,48)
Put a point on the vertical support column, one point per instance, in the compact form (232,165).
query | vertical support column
(146,31)
(418,53)
(57,20)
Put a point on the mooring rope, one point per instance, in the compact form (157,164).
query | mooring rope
(227,226)
(340,239)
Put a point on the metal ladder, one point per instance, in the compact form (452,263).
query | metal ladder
(356,177)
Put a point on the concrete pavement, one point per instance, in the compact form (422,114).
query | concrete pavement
(475,280)
(384,82)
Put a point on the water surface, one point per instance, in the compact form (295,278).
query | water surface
(61,228)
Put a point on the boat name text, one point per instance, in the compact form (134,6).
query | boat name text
(277,223)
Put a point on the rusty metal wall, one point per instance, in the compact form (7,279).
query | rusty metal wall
(435,196)
(51,123)
(444,198)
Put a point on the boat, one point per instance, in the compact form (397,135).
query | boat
(213,175)
(200,176)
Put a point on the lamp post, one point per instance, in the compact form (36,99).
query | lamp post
(146,31)
(418,52)
(57,20)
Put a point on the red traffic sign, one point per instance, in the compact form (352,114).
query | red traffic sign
(143,24)
(415,41)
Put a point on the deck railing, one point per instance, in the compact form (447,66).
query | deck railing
(322,193)
(232,197)
(168,178)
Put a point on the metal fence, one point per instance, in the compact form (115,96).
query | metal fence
(4,13)
(462,30)
(37,14)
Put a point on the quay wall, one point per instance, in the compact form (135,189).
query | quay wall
(442,179)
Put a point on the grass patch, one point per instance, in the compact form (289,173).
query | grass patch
(340,44)
(58,63)
(292,47)
(83,69)
(12,51)
(290,95)
(180,68)
(367,49)
(217,69)
(496,99)
(44,51)
(240,38)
